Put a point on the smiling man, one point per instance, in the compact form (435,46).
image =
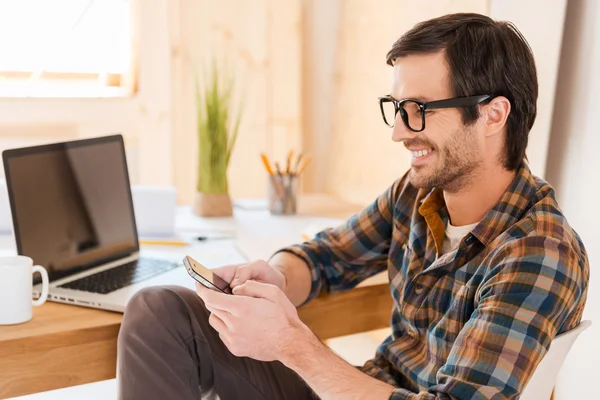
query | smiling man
(484,269)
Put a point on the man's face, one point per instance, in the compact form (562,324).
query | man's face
(447,153)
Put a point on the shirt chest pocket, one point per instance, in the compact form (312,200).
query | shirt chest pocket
(447,312)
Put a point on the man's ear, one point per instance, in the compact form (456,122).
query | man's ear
(495,114)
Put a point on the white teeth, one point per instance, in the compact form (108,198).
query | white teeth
(421,153)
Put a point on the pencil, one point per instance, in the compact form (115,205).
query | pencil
(304,164)
(267,164)
(295,172)
(164,243)
(277,169)
(288,169)
(276,183)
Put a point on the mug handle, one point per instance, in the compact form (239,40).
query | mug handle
(45,285)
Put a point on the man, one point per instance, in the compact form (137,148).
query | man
(484,269)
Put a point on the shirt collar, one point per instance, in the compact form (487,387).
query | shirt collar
(512,206)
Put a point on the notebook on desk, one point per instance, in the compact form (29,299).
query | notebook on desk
(72,213)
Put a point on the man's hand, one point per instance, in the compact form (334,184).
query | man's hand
(258,321)
(258,270)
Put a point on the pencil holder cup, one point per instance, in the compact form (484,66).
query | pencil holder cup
(283,193)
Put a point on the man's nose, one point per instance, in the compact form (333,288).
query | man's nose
(400,131)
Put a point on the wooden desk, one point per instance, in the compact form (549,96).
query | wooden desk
(68,345)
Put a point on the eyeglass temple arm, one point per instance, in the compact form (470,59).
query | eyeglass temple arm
(457,102)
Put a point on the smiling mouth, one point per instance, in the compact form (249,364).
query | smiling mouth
(421,153)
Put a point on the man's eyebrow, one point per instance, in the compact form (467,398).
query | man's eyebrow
(423,99)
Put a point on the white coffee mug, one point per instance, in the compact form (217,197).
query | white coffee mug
(16,286)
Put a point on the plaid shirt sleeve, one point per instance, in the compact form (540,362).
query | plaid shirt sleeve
(524,299)
(340,258)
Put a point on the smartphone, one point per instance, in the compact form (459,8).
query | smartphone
(205,276)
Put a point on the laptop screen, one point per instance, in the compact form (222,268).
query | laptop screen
(71,204)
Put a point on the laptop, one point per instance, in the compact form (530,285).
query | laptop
(73,214)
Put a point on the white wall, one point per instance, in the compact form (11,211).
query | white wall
(572,168)
(541,22)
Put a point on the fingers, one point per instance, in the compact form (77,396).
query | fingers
(256,270)
(217,301)
(212,298)
(226,272)
(225,341)
(259,290)
(221,327)
(242,274)
(217,322)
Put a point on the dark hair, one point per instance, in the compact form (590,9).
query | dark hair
(485,57)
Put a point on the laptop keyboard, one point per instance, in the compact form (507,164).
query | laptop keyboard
(118,277)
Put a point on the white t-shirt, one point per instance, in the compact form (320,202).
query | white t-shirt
(454,235)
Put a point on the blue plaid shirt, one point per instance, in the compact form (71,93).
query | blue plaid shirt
(473,323)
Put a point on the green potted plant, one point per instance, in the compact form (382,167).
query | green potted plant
(217,129)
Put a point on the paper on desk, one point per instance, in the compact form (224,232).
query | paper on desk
(187,221)
(258,233)
(211,253)
(257,204)
(280,233)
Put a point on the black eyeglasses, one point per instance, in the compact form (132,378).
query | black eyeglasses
(413,111)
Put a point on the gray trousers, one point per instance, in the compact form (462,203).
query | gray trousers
(168,350)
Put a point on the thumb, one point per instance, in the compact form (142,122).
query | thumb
(259,290)
(226,272)
(242,274)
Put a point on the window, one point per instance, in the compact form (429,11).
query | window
(66,48)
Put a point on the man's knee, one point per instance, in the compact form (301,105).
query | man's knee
(158,307)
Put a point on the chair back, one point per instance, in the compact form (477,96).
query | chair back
(542,382)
